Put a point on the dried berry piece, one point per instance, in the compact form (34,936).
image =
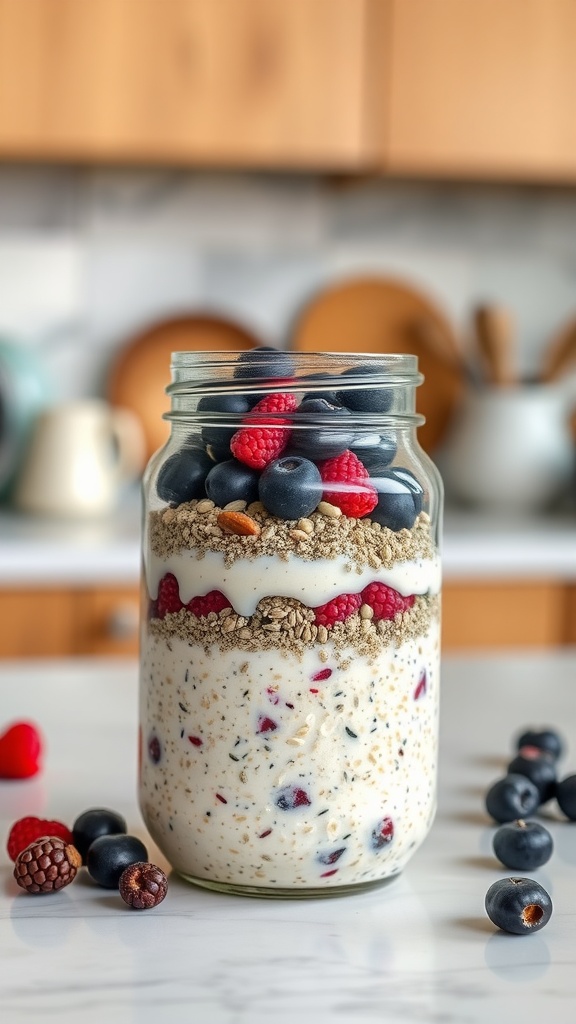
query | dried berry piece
(143,885)
(26,830)
(46,865)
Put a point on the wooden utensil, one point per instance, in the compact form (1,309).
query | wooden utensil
(378,314)
(141,371)
(495,339)
(560,355)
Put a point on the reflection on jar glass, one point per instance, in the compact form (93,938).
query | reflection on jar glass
(290,639)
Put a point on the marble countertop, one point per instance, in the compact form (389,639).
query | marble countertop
(419,949)
(41,552)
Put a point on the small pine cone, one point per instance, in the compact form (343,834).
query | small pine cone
(46,865)
(143,886)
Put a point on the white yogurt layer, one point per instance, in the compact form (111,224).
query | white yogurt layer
(273,769)
(247,581)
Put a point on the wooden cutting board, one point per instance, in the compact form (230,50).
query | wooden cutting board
(379,314)
(140,372)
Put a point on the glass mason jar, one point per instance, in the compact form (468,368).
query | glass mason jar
(290,640)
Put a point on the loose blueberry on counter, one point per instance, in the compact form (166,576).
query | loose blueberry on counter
(108,857)
(540,769)
(396,506)
(318,439)
(566,796)
(215,437)
(290,487)
(512,797)
(365,399)
(232,481)
(96,822)
(518,905)
(182,476)
(264,361)
(522,845)
(546,739)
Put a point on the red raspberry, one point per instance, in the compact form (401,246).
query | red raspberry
(384,601)
(337,610)
(347,485)
(168,596)
(258,444)
(27,830)
(213,601)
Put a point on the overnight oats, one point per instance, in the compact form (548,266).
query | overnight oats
(290,642)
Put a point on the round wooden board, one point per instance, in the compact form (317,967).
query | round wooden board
(377,314)
(140,373)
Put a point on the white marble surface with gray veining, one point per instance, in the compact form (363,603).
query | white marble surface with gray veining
(419,950)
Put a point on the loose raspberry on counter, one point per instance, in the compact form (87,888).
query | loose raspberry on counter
(213,601)
(168,596)
(20,751)
(46,865)
(337,610)
(259,442)
(27,830)
(347,485)
(384,601)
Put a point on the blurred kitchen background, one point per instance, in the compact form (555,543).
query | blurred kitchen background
(249,161)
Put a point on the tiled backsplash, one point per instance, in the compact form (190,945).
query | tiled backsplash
(88,257)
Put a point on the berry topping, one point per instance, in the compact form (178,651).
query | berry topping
(290,487)
(46,865)
(522,845)
(168,596)
(182,476)
(324,435)
(518,905)
(261,440)
(512,797)
(347,485)
(398,501)
(213,601)
(376,451)
(337,610)
(365,399)
(20,751)
(384,601)
(29,829)
(217,439)
(383,834)
(143,886)
(264,362)
(232,481)
(266,724)
(109,855)
(90,825)
(291,797)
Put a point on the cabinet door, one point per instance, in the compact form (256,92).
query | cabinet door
(483,88)
(35,623)
(253,82)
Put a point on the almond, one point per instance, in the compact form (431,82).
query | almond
(238,523)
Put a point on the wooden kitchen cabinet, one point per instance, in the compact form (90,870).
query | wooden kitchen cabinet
(482,88)
(222,82)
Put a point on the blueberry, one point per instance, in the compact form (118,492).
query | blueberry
(566,796)
(397,502)
(232,481)
(366,399)
(182,476)
(541,770)
(548,740)
(218,438)
(98,821)
(319,439)
(290,487)
(376,451)
(523,845)
(518,905)
(264,362)
(512,797)
(108,856)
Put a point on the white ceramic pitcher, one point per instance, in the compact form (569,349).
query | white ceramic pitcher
(511,448)
(80,455)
